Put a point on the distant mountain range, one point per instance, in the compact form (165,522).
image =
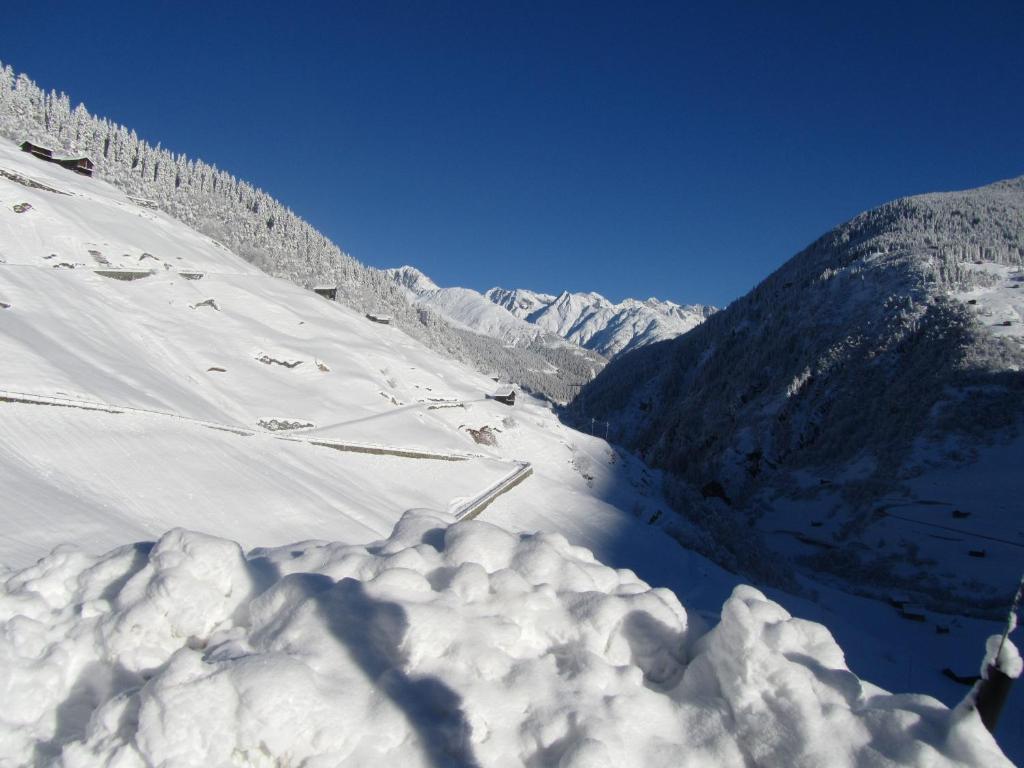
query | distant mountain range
(587,320)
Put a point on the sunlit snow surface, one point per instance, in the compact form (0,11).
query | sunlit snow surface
(452,644)
(129,388)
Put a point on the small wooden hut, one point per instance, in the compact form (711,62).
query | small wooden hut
(37,151)
(82,165)
(505,393)
(327,292)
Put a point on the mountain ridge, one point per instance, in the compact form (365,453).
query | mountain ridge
(595,322)
(875,360)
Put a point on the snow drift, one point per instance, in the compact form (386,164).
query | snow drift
(445,644)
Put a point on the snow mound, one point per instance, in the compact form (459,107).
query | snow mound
(448,643)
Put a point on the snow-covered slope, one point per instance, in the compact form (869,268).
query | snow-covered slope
(593,322)
(469,309)
(521,302)
(835,399)
(268,234)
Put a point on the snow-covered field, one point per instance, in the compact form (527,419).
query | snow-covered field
(151,410)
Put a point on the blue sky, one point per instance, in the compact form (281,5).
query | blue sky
(636,149)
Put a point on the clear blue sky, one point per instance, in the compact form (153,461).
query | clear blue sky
(636,149)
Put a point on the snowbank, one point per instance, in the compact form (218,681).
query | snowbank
(446,644)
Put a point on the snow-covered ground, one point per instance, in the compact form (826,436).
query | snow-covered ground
(454,644)
(131,407)
(998,299)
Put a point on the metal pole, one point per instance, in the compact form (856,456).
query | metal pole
(991,691)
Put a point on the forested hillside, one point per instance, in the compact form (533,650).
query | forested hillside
(854,380)
(264,232)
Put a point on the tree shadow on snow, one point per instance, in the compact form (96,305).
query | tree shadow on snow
(372,632)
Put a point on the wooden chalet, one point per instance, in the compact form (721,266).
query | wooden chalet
(327,292)
(82,165)
(41,152)
(375,318)
(505,393)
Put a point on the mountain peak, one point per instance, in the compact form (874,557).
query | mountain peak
(595,322)
(411,278)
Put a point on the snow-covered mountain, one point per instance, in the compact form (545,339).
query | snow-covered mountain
(863,404)
(176,420)
(521,302)
(269,235)
(469,309)
(593,322)
(585,320)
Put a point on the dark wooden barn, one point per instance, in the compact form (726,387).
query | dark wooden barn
(82,165)
(328,292)
(41,152)
(505,393)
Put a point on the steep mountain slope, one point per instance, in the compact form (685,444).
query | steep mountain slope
(266,233)
(593,322)
(521,302)
(845,385)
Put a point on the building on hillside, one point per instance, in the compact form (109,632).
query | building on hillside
(382,319)
(505,393)
(327,292)
(41,152)
(82,165)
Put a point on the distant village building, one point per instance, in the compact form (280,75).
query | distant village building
(41,152)
(913,612)
(82,165)
(382,319)
(505,393)
(328,293)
